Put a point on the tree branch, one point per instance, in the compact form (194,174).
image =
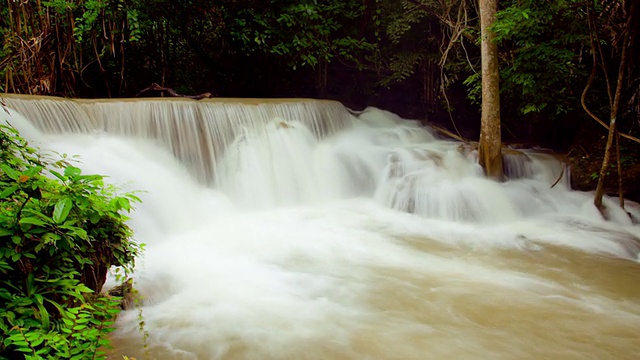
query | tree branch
(173,93)
(586,89)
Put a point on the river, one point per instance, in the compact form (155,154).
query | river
(297,229)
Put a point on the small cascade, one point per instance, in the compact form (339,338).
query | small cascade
(530,164)
(439,180)
(266,154)
(516,164)
(196,132)
(270,167)
(53,115)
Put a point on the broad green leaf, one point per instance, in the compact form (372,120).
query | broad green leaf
(32,171)
(50,238)
(32,221)
(94,217)
(89,178)
(43,350)
(61,210)
(40,339)
(58,175)
(11,173)
(81,233)
(38,214)
(44,314)
(30,282)
(124,204)
(8,191)
(72,171)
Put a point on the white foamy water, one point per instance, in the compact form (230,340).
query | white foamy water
(366,239)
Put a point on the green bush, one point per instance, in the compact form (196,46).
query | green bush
(60,232)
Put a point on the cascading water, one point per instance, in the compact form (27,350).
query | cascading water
(296,230)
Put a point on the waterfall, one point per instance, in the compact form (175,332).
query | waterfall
(299,229)
(195,132)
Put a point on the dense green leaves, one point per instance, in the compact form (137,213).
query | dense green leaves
(99,41)
(544,44)
(303,32)
(60,231)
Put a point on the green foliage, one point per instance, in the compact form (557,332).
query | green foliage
(95,17)
(402,66)
(427,44)
(542,45)
(410,40)
(60,231)
(304,32)
(92,44)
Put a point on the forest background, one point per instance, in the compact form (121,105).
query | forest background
(561,61)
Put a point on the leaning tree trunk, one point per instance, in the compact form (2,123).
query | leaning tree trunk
(628,33)
(490,147)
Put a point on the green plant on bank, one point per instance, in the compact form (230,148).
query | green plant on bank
(60,232)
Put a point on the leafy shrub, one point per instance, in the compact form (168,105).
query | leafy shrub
(60,232)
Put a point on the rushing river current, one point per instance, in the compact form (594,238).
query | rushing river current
(300,230)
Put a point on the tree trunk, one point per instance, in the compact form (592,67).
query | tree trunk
(628,33)
(490,147)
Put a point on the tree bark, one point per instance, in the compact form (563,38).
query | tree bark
(490,147)
(629,31)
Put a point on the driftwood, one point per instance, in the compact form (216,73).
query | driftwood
(173,93)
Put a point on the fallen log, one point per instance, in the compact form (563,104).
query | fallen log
(173,93)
